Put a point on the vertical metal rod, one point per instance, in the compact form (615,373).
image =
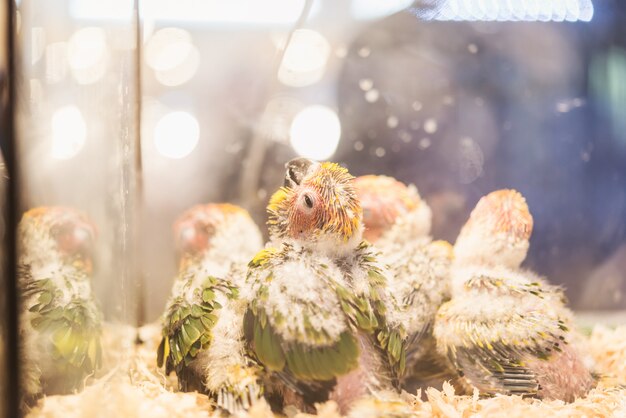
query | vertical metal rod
(138,201)
(11,217)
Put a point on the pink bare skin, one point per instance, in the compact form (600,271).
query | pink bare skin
(362,381)
(563,377)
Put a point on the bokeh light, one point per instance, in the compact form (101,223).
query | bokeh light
(173,56)
(315,132)
(176,134)
(305,59)
(69,132)
(87,54)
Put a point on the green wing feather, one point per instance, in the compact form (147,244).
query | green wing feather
(368,313)
(187,326)
(498,366)
(305,362)
(322,362)
(74,331)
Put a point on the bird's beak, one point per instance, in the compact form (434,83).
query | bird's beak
(296,170)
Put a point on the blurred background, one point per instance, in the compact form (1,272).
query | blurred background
(457,97)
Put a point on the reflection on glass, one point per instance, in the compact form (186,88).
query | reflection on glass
(61,323)
(76,125)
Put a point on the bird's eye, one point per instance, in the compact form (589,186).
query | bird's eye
(308,201)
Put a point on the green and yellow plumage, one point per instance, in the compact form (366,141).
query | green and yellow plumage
(188,325)
(319,316)
(61,323)
(202,327)
(340,214)
(516,343)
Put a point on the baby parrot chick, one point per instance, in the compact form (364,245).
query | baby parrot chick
(497,232)
(320,319)
(60,321)
(202,325)
(507,331)
(398,222)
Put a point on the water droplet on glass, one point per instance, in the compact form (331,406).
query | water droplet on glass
(563,107)
(417,106)
(372,95)
(364,52)
(472,48)
(405,136)
(380,152)
(424,143)
(430,126)
(366,83)
(585,156)
(234,147)
(358,145)
(471,160)
(392,122)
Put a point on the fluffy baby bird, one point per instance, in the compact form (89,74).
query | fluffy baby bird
(320,319)
(398,222)
(497,232)
(60,321)
(202,325)
(506,330)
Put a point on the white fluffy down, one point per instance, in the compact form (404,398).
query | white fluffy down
(233,244)
(419,280)
(474,247)
(409,226)
(507,316)
(297,291)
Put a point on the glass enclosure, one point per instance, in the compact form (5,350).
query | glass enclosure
(130,112)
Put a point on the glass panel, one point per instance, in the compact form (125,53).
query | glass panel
(77,133)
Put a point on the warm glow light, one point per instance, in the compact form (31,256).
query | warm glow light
(305,59)
(172,55)
(315,132)
(87,54)
(176,134)
(68,132)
